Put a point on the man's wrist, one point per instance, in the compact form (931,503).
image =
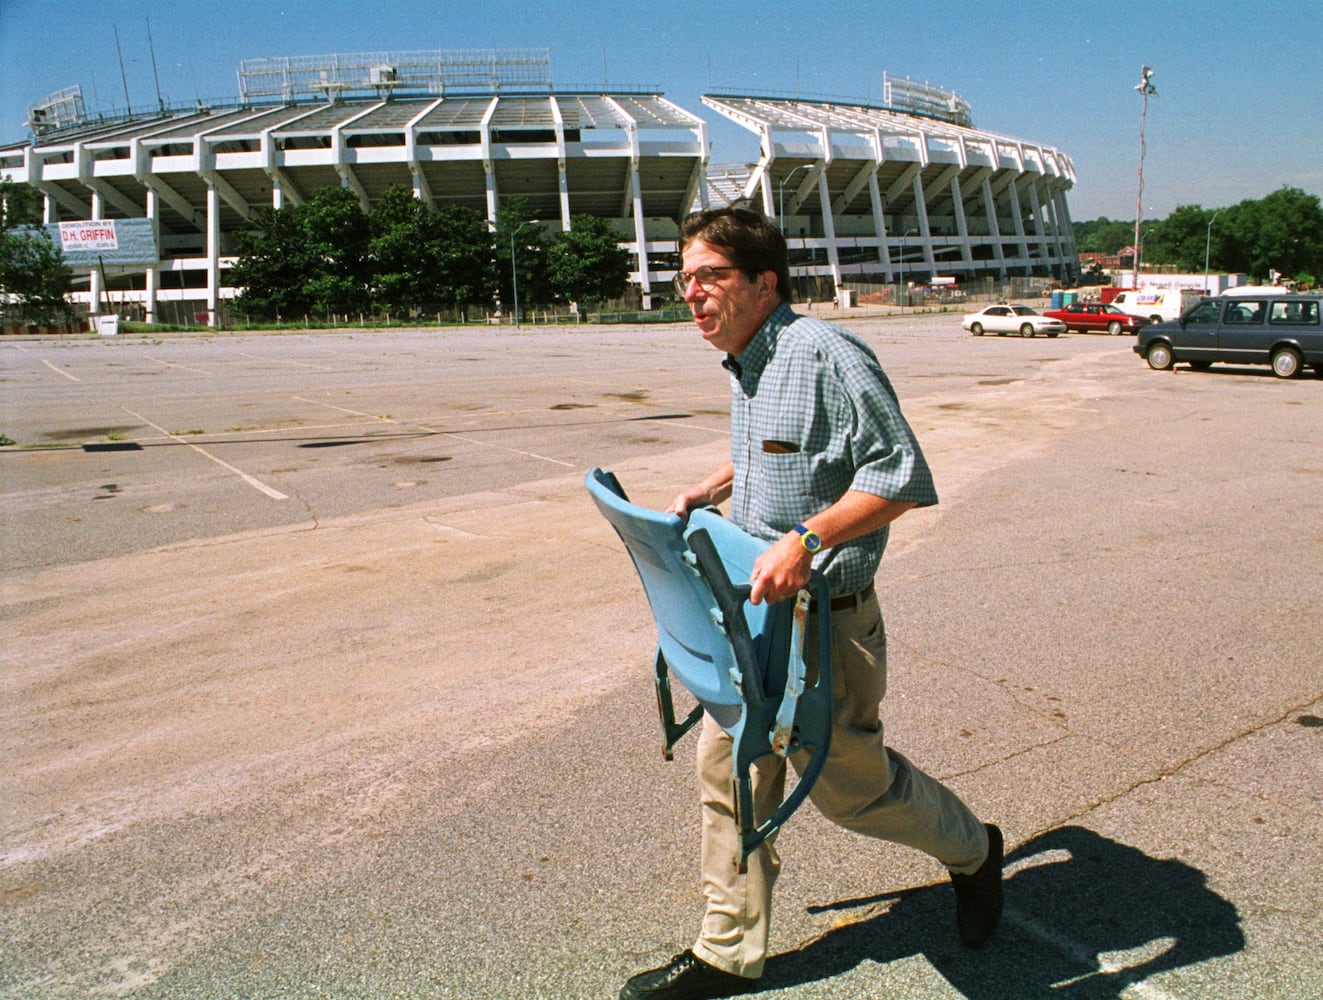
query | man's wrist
(810,541)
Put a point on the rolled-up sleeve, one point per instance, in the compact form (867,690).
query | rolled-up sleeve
(883,450)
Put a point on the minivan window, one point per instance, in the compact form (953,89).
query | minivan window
(1204,312)
(1301,313)
(1244,312)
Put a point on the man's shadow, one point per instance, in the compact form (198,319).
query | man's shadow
(1085,918)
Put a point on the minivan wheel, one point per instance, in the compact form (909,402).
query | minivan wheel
(1114,327)
(1286,362)
(1159,356)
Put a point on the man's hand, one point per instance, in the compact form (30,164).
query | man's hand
(684,502)
(711,491)
(781,572)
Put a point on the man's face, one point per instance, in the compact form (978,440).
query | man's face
(729,309)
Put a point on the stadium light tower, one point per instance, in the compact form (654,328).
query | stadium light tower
(1145,88)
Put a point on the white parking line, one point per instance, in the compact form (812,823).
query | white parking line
(450,434)
(171,364)
(72,378)
(280,361)
(256,484)
(1101,963)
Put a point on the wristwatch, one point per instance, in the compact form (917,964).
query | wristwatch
(809,539)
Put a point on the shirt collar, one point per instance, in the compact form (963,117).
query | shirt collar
(751,361)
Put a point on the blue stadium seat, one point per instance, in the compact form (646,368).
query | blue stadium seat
(743,663)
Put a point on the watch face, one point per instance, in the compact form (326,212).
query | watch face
(811,541)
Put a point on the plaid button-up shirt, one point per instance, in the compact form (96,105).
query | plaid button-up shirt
(813,415)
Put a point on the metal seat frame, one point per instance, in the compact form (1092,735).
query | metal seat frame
(742,662)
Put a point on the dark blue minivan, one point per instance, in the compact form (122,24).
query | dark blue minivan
(1283,331)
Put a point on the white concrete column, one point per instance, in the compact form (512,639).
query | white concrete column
(213,253)
(153,270)
(1041,229)
(771,209)
(563,183)
(880,224)
(994,230)
(962,226)
(640,234)
(1017,216)
(94,282)
(829,231)
(492,200)
(925,230)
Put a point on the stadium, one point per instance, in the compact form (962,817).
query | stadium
(903,193)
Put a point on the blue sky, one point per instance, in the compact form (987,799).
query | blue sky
(1239,111)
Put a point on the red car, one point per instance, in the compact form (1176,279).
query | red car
(1092,317)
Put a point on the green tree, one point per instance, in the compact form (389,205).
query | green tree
(274,268)
(586,264)
(463,256)
(1180,239)
(313,257)
(18,205)
(400,250)
(1103,235)
(32,267)
(338,238)
(1282,232)
(426,258)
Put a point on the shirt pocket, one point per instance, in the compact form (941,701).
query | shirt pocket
(782,491)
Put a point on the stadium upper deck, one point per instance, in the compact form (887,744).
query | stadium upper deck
(858,188)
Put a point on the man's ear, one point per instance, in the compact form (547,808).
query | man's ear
(767,284)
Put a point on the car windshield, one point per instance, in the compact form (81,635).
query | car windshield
(1113,310)
(1023,311)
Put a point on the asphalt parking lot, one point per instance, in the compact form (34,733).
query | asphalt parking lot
(322,677)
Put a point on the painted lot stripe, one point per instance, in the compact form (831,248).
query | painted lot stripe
(278,361)
(256,484)
(72,378)
(451,434)
(171,364)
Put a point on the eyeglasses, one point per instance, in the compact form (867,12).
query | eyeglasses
(707,278)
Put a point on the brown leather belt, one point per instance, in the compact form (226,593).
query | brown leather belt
(843,601)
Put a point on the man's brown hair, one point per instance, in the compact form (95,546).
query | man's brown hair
(747,239)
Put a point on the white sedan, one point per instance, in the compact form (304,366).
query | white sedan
(1004,319)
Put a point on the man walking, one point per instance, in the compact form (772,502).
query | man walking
(822,461)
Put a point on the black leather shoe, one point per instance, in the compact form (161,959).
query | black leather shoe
(978,896)
(685,977)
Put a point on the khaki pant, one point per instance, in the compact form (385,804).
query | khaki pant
(864,787)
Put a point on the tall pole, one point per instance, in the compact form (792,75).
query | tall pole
(781,195)
(1208,245)
(907,233)
(1145,87)
(122,78)
(514,270)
